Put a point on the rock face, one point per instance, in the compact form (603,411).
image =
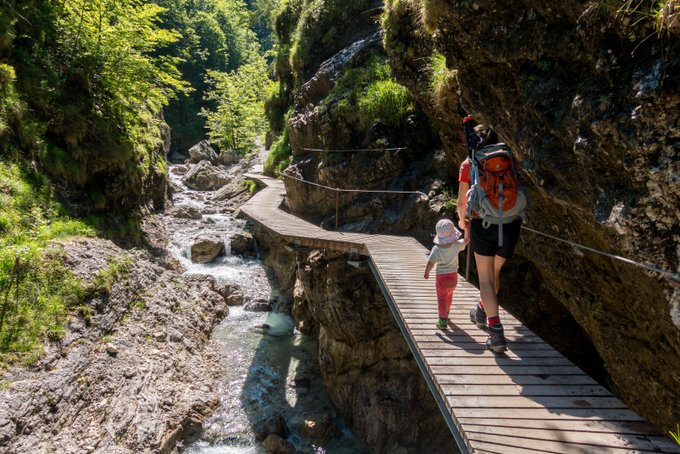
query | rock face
(590,104)
(367,366)
(241,243)
(91,392)
(593,117)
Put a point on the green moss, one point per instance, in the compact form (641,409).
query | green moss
(250,185)
(385,101)
(117,268)
(366,95)
(280,153)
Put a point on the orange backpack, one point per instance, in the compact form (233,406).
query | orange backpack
(497,194)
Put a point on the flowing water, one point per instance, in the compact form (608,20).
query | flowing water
(271,368)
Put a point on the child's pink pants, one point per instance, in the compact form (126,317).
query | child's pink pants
(446,284)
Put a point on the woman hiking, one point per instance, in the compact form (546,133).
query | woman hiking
(484,243)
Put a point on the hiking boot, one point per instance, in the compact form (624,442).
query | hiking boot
(442,323)
(478,316)
(496,341)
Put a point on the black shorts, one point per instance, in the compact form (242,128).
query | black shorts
(485,241)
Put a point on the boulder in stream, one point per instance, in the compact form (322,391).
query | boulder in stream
(241,243)
(320,428)
(206,248)
(202,151)
(232,294)
(273,424)
(186,212)
(205,177)
(277,445)
(259,305)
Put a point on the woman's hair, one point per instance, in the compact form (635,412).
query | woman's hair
(487,136)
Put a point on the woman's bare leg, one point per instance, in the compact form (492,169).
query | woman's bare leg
(486,273)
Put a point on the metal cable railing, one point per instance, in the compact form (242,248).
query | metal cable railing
(339,190)
(674,276)
(350,150)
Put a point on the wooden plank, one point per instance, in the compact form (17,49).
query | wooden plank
(451,350)
(490,360)
(543,390)
(554,414)
(505,379)
(562,443)
(573,435)
(521,402)
(510,370)
(584,425)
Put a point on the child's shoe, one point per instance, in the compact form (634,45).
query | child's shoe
(442,323)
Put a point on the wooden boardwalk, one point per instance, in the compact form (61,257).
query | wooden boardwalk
(531,399)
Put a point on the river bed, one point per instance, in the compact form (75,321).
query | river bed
(271,368)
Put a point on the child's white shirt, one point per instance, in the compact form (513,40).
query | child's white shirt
(446,258)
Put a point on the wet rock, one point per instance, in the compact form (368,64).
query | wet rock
(232,294)
(179,170)
(205,280)
(202,151)
(227,157)
(241,243)
(274,424)
(257,306)
(85,399)
(229,191)
(205,177)
(277,445)
(185,212)
(319,429)
(206,248)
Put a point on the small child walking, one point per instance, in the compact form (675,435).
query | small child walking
(447,244)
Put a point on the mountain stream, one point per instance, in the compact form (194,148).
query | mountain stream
(271,368)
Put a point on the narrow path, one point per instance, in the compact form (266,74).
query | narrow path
(531,399)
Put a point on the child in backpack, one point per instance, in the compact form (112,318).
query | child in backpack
(444,255)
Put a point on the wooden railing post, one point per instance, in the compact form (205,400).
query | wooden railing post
(337,208)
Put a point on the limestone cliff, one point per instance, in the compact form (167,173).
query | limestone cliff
(366,364)
(589,100)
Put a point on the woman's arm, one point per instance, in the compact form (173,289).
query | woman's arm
(463,188)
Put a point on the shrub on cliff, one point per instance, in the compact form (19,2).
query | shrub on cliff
(365,95)
(35,289)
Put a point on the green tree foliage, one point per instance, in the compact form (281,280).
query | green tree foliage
(113,45)
(93,79)
(217,35)
(240,97)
